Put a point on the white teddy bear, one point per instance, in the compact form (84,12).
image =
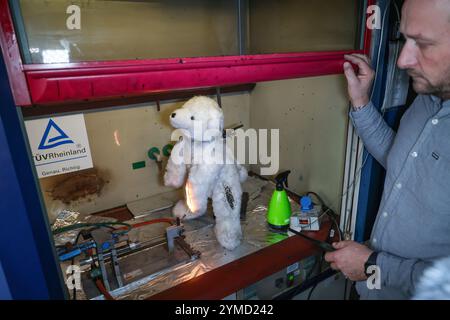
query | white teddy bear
(211,170)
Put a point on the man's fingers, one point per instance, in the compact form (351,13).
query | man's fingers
(334,266)
(330,256)
(360,62)
(357,57)
(341,244)
(350,74)
(362,56)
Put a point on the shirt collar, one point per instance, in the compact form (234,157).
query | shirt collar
(438,100)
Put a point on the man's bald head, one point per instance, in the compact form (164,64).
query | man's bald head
(442,6)
(426,54)
(437,11)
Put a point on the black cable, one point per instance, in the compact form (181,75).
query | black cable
(315,285)
(320,267)
(333,216)
(328,211)
(325,246)
(293,292)
(345,290)
(317,196)
(317,263)
(333,219)
(309,274)
(311,291)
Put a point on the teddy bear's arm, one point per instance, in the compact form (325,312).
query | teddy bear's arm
(175,175)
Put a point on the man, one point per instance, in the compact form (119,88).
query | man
(412,228)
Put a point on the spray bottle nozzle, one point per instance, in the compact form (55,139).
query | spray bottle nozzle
(282,180)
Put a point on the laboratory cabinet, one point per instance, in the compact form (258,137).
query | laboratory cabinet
(109,74)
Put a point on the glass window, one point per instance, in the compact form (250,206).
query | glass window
(74,31)
(55,31)
(281,26)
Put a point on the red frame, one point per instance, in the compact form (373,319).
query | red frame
(41,84)
(11,56)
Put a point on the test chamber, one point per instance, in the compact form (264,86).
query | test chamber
(254,56)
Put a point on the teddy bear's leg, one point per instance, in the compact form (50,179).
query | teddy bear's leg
(228,232)
(195,203)
(227,197)
(182,211)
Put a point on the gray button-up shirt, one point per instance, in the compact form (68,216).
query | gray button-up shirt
(412,227)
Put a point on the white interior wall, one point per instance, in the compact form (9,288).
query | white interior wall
(311,114)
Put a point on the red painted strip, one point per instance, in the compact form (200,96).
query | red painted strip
(81,81)
(11,56)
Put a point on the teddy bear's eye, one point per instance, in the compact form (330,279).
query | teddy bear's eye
(192,118)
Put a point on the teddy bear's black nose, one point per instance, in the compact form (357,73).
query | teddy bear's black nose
(173,115)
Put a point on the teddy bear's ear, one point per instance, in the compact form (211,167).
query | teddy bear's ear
(215,121)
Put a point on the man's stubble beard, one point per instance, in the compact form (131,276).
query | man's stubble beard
(423,86)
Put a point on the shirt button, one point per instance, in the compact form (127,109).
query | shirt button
(374,240)
(414,154)
(385,214)
(435,121)
(398,185)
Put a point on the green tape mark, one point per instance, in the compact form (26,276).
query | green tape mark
(138,165)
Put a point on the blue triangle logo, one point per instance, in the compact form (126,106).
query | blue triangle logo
(60,139)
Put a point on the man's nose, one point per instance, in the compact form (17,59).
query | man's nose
(407,59)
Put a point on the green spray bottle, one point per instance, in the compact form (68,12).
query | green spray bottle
(279,211)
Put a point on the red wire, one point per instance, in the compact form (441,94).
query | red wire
(102,289)
(161,220)
(145,223)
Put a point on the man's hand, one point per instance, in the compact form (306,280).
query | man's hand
(349,258)
(359,84)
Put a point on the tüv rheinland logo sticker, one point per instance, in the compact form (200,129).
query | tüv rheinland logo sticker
(59,145)
(47,142)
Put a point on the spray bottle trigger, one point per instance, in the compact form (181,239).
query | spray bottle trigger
(282,179)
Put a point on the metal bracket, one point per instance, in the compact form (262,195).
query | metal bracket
(101,262)
(115,263)
(193,254)
(173,232)
(104,238)
(174,235)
